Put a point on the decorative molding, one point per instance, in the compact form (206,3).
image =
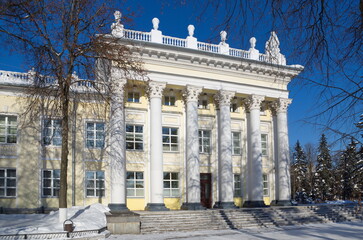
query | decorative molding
(224,97)
(191,93)
(280,105)
(254,102)
(155,89)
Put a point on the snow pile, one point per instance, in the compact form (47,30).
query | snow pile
(84,218)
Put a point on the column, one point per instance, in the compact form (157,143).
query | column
(225,169)
(192,150)
(254,161)
(117,144)
(282,167)
(156,201)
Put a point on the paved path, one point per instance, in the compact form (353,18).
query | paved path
(346,230)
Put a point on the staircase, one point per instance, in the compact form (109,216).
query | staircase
(157,222)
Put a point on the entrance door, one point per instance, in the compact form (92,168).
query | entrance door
(206,190)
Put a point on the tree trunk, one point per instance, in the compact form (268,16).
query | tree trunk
(64,155)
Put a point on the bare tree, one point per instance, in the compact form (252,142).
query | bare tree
(58,38)
(324,36)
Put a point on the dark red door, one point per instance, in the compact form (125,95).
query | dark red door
(206,190)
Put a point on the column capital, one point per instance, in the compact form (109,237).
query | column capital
(155,89)
(280,105)
(254,102)
(224,97)
(191,93)
(117,78)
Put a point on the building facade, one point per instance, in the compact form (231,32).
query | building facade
(208,129)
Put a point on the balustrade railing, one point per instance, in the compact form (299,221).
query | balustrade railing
(137,35)
(173,41)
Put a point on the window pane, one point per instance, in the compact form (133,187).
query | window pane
(166,193)
(100,184)
(174,131)
(100,175)
(90,184)
(174,176)
(174,184)
(139,129)
(175,192)
(11,173)
(90,192)
(47,174)
(47,192)
(11,183)
(138,146)
(139,175)
(174,148)
(129,128)
(166,184)
(139,192)
(90,126)
(139,184)
(130,175)
(2,173)
(129,184)
(130,192)
(166,175)
(89,175)
(165,130)
(2,182)
(56,183)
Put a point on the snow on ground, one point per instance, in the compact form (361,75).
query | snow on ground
(341,231)
(84,218)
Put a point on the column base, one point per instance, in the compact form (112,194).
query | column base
(117,208)
(156,207)
(225,205)
(281,203)
(192,206)
(123,223)
(254,204)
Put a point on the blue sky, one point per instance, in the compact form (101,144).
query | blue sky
(174,22)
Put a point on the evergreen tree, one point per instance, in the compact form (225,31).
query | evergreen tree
(348,170)
(324,169)
(300,173)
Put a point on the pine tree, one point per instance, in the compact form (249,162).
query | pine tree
(347,168)
(300,173)
(324,172)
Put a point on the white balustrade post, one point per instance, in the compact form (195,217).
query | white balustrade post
(192,149)
(254,161)
(156,201)
(283,197)
(117,144)
(225,168)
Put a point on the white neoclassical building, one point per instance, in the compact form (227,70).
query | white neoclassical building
(209,129)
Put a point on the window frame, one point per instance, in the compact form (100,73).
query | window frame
(7,127)
(265,183)
(52,187)
(264,150)
(234,147)
(133,134)
(201,138)
(135,181)
(52,129)
(237,185)
(133,98)
(95,180)
(94,131)
(170,136)
(171,189)
(6,181)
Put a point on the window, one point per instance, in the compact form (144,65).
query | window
(95,183)
(95,134)
(134,137)
(203,102)
(264,144)
(237,185)
(169,100)
(171,184)
(51,183)
(233,107)
(236,143)
(8,129)
(133,97)
(204,141)
(52,132)
(170,139)
(7,182)
(135,184)
(265,185)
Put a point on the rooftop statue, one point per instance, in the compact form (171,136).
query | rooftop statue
(155,22)
(272,50)
(223,36)
(191,30)
(116,27)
